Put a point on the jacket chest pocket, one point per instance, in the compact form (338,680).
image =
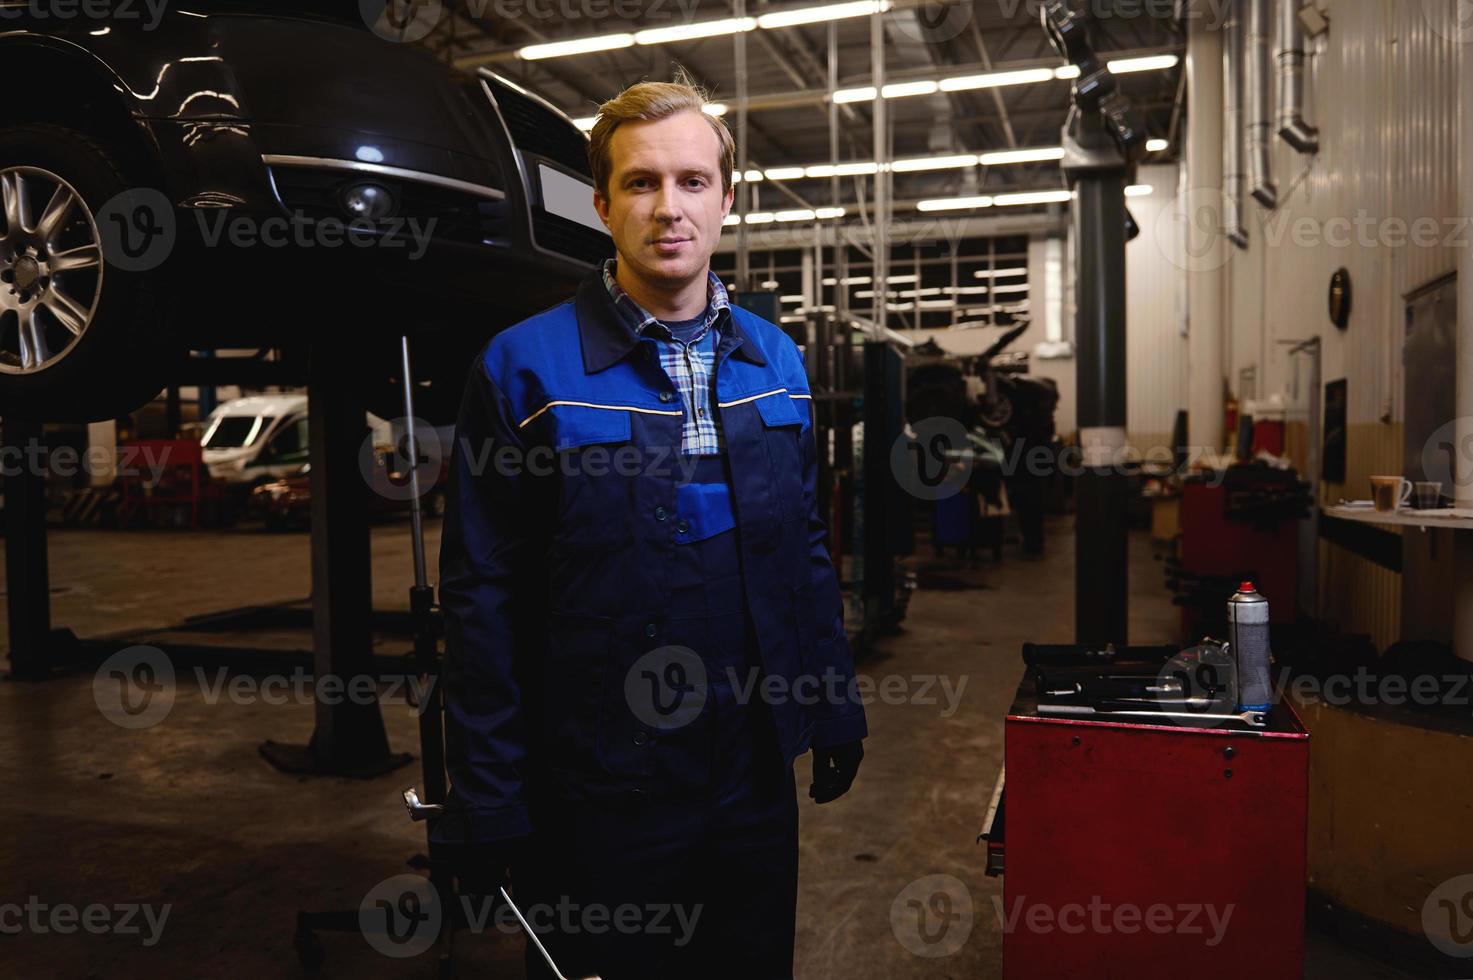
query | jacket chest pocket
(783,420)
(593,461)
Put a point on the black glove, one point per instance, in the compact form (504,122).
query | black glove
(834,769)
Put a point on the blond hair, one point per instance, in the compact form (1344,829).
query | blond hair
(647,102)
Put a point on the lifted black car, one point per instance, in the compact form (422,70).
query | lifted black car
(241,175)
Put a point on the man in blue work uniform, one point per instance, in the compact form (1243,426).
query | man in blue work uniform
(643,625)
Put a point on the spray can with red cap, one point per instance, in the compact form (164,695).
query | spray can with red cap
(1248,629)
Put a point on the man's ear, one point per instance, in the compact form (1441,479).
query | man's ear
(728,201)
(601,205)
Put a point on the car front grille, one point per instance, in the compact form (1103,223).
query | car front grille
(537,129)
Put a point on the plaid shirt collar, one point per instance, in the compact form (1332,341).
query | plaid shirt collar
(642,322)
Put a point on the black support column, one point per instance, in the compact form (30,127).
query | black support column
(1101,555)
(349,737)
(27,578)
(1102,140)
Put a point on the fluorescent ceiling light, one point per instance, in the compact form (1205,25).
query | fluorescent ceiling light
(783,173)
(1067,73)
(1139,190)
(830,212)
(800,214)
(1160,62)
(997,79)
(582,45)
(1021,287)
(954,203)
(760,218)
(897,280)
(966,290)
(1031,155)
(714,108)
(865,94)
(797,298)
(1001,273)
(1156,146)
(927,291)
(732,219)
(1032,197)
(934,163)
(769,284)
(856,168)
(936,304)
(751,177)
(585,123)
(691,32)
(899,90)
(818,15)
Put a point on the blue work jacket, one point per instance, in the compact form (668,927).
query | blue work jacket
(556,557)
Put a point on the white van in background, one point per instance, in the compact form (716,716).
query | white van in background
(264,437)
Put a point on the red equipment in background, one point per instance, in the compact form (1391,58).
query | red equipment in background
(1153,850)
(1242,524)
(166,482)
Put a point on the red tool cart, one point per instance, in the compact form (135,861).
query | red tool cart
(165,483)
(1142,847)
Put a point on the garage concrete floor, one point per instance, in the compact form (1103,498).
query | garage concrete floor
(184,817)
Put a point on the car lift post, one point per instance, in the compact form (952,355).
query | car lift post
(27,579)
(1102,142)
(349,737)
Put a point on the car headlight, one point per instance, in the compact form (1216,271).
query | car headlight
(368,201)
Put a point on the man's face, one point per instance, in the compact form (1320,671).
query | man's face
(665,204)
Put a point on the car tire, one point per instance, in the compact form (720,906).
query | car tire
(113,357)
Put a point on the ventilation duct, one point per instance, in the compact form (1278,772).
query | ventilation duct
(1260,115)
(1292,127)
(1232,121)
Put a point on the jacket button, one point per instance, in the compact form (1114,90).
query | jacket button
(682,526)
(667,396)
(640,738)
(661,513)
(649,629)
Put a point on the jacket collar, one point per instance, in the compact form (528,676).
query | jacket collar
(606,337)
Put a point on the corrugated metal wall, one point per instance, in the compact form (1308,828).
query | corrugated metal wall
(1156,347)
(1378,200)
